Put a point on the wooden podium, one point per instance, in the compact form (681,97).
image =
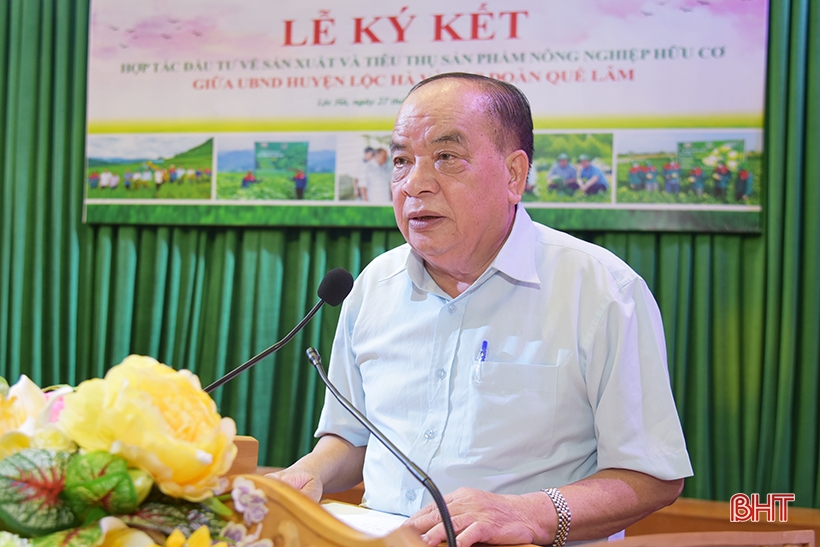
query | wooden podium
(294,520)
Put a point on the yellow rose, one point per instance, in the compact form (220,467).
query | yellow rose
(19,410)
(117,534)
(201,537)
(158,419)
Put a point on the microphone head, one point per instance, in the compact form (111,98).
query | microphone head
(313,356)
(335,287)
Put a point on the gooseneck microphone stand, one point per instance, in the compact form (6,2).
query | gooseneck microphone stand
(421,476)
(333,289)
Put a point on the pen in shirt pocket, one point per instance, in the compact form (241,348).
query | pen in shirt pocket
(482,355)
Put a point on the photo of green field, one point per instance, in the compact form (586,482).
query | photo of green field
(544,186)
(185,175)
(274,187)
(700,159)
(275,166)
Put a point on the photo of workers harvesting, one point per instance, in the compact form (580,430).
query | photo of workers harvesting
(149,167)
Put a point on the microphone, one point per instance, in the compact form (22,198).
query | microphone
(415,470)
(334,288)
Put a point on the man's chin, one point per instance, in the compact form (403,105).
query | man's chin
(429,248)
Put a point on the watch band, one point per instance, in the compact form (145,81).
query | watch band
(564,515)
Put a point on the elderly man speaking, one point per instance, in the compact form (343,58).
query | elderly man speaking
(523,369)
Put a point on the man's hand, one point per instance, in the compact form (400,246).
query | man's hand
(602,504)
(309,484)
(480,516)
(333,465)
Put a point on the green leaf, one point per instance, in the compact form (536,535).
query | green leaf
(165,517)
(99,480)
(94,516)
(93,465)
(85,536)
(142,483)
(216,505)
(30,484)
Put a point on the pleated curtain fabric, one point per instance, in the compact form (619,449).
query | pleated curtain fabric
(741,312)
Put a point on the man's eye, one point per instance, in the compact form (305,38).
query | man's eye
(399,162)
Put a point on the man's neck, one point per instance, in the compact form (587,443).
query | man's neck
(455,281)
(452,285)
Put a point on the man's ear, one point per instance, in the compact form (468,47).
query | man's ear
(518,166)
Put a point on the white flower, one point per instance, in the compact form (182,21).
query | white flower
(240,537)
(249,501)
(7,539)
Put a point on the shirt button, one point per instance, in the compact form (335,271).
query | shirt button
(429,434)
(441,373)
(411,495)
(452,308)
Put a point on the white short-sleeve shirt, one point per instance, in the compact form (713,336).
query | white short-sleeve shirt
(573,380)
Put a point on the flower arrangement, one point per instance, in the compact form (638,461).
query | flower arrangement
(135,459)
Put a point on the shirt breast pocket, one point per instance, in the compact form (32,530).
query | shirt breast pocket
(510,414)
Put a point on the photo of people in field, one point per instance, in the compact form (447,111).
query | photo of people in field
(571,167)
(276,166)
(708,167)
(149,167)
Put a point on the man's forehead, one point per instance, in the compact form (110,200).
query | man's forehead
(442,99)
(445,111)
(429,131)
(442,127)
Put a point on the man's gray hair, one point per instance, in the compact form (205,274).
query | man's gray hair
(507,106)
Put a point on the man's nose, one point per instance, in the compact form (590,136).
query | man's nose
(420,179)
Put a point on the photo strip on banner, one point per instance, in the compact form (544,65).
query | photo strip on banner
(648,115)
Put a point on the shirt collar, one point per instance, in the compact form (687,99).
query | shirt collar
(516,259)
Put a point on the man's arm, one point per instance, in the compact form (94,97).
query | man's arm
(334,465)
(588,184)
(601,505)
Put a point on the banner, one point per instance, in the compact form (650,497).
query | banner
(648,114)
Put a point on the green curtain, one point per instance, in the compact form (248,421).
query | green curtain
(741,312)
